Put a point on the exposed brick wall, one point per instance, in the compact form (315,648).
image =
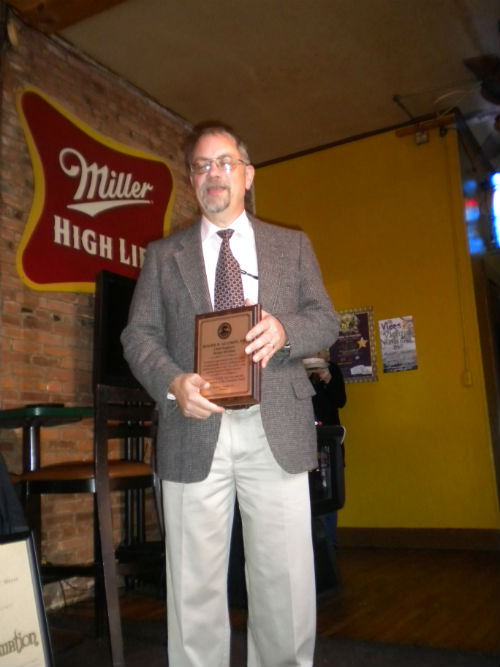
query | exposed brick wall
(46,337)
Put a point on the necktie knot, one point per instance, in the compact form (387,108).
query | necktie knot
(228,283)
(225,234)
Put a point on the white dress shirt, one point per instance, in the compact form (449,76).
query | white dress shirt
(242,244)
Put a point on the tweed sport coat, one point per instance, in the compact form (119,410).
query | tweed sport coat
(158,344)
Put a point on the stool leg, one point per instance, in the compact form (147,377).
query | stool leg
(109,568)
(99,594)
(31,503)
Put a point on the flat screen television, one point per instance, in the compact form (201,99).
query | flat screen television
(113,295)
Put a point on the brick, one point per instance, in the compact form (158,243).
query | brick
(46,338)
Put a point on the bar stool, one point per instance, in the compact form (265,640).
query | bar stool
(120,413)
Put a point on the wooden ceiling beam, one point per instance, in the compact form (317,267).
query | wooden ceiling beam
(50,16)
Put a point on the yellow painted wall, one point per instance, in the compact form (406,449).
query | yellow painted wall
(385,218)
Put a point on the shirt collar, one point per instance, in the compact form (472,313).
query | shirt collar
(241,225)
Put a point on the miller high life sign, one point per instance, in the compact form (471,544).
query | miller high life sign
(96,203)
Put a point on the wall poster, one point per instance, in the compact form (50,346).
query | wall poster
(397,343)
(354,350)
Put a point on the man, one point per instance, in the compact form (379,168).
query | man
(328,382)
(206,454)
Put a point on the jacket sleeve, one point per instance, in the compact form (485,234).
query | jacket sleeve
(314,324)
(144,339)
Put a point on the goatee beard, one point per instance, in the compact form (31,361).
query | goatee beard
(220,202)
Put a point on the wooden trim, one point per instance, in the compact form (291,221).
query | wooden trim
(420,538)
(423,126)
(409,127)
(51,16)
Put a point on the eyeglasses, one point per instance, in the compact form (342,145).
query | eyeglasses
(224,162)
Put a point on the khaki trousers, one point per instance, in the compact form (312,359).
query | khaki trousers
(279,561)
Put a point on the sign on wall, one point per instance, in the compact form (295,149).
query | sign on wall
(96,203)
(398,345)
(354,349)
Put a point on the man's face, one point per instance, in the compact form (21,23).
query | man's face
(221,195)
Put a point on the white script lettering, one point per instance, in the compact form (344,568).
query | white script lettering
(101,188)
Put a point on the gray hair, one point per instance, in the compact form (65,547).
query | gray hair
(207,128)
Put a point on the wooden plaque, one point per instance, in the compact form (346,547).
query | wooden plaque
(220,356)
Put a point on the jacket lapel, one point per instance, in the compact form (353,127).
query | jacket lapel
(270,258)
(191,265)
(271,264)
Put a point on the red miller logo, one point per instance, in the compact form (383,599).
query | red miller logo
(96,204)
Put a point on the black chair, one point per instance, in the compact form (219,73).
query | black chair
(127,414)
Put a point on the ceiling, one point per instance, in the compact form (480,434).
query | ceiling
(291,75)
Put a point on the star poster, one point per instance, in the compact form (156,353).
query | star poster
(354,350)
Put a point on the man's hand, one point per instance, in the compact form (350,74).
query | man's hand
(265,338)
(187,390)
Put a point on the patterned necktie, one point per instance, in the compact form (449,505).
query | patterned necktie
(228,283)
